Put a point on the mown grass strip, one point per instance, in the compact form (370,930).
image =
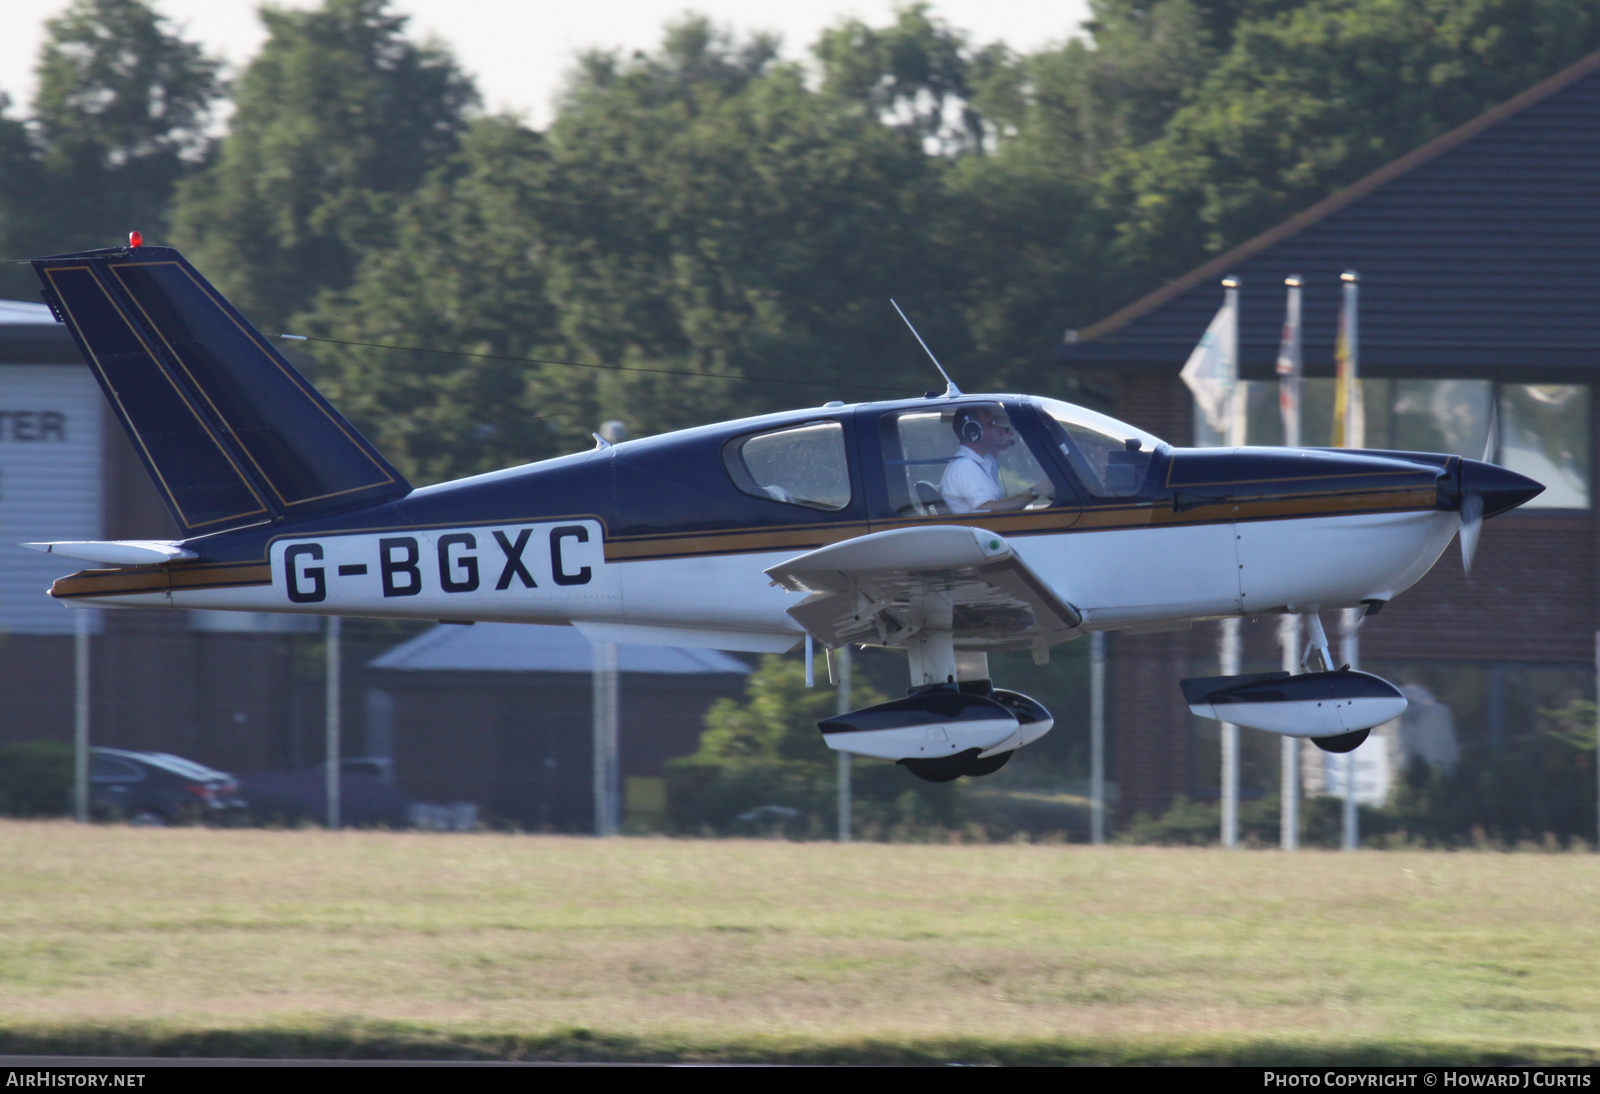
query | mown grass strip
(406,1041)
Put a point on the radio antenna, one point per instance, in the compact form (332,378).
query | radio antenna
(950,388)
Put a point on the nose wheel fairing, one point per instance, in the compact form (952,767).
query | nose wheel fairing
(1314,704)
(1335,708)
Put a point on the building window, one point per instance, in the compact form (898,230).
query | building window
(1544,434)
(1542,430)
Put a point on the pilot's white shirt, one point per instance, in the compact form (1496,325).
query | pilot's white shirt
(969,481)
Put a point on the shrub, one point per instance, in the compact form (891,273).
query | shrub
(35,779)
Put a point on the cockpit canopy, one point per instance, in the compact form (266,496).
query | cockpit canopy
(1111,458)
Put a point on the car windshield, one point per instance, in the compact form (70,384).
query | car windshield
(180,766)
(1111,457)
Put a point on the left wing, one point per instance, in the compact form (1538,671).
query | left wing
(882,589)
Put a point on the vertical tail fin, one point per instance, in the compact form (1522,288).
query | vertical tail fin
(230,431)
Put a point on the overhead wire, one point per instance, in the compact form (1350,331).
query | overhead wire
(591,365)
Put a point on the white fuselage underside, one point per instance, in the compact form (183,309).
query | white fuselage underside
(1140,578)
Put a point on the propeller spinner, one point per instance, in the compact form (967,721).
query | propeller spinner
(1488,490)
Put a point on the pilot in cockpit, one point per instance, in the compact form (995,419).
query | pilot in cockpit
(971,480)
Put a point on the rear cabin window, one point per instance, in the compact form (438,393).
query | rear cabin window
(802,465)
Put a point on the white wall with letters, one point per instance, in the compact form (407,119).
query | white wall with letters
(51,487)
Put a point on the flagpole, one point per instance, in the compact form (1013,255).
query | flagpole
(1290,370)
(1212,375)
(1229,654)
(1354,437)
(1355,420)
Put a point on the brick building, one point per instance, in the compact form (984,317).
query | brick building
(1479,259)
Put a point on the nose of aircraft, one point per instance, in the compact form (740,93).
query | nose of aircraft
(1501,490)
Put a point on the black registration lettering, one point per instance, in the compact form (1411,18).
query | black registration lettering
(318,590)
(405,565)
(513,553)
(467,564)
(558,568)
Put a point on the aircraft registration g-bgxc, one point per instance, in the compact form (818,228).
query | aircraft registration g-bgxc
(948,526)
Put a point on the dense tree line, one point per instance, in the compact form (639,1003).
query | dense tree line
(710,208)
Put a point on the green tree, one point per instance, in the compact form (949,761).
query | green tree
(762,767)
(1027,223)
(35,778)
(465,271)
(913,73)
(335,120)
(741,226)
(697,211)
(119,118)
(21,199)
(778,719)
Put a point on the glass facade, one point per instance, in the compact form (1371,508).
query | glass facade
(1541,430)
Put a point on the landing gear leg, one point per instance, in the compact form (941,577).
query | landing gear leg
(1317,649)
(1316,646)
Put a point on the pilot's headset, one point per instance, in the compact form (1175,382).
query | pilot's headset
(967,426)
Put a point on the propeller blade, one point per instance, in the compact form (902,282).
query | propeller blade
(1471,526)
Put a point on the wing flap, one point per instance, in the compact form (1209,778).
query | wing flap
(869,590)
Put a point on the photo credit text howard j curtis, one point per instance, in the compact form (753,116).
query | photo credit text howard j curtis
(1447,1078)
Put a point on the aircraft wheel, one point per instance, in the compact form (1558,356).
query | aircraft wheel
(1344,742)
(945,768)
(989,764)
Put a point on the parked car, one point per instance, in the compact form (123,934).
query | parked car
(367,794)
(159,788)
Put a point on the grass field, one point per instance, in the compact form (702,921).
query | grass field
(247,942)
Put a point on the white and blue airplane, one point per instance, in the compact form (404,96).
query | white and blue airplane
(849,523)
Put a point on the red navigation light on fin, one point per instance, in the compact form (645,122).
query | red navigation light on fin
(135,239)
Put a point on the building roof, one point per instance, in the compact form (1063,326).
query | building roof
(522,647)
(20,311)
(1479,254)
(29,335)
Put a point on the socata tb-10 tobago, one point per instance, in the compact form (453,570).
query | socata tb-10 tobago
(947,526)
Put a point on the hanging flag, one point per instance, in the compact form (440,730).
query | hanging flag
(1289,365)
(1349,413)
(1212,371)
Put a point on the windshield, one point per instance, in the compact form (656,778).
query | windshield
(188,769)
(1111,457)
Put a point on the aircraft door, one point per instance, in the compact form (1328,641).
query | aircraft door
(918,468)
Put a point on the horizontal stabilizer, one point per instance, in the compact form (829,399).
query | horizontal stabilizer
(118,552)
(231,433)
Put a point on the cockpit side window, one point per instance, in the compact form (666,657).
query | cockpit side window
(939,462)
(1111,458)
(803,465)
